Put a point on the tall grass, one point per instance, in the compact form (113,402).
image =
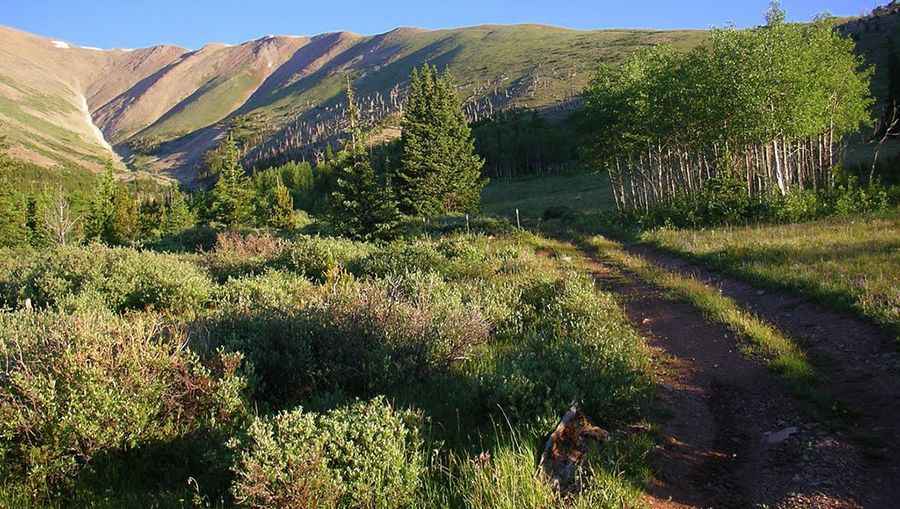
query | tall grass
(848,262)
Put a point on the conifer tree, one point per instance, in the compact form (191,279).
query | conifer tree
(439,171)
(13,217)
(13,212)
(38,234)
(97,222)
(152,218)
(178,214)
(124,225)
(360,206)
(231,198)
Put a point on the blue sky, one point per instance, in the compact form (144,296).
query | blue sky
(192,23)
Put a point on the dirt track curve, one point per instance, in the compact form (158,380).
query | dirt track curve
(733,436)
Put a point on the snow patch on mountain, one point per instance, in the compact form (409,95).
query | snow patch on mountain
(61,44)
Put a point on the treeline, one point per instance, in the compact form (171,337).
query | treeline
(114,213)
(767,107)
(360,191)
(41,207)
(524,143)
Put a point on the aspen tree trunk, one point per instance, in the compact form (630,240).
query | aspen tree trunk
(778,171)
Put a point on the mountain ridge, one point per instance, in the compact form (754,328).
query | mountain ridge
(161,107)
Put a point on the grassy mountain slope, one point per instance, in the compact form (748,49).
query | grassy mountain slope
(175,103)
(163,107)
(197,90)
(45,110)
(495,67)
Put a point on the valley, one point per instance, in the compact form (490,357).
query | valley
(491,267)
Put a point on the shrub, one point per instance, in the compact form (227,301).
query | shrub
(401,257)
(120,278)
(13,262)
(577,347)
(852,198)
(504,477)
(251,245)
(366,455)
(191,240)
(271,290)
(558,212)
(75,386)
(724,201)
(453,258)
(317,257)
(796,206)
(358,337)
(239,254)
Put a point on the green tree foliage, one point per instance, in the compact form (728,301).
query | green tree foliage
(125,222)
(179,215)
(769,105)
(519,143)
(361,205)
(296,176)
(13,204)
(282,211)
(99,217)
(113,215)
(231,198)
(439,171)
(165,214)
(37,210)
(13,217)
(278,190)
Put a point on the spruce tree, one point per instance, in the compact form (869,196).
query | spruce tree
(124,225)
(178,214)
(152,218)
(13,211)
(439,171)
(13,217)
(360,206)
(98,220)
(231,198)
(38,234)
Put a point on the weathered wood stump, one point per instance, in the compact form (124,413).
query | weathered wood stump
(566,448)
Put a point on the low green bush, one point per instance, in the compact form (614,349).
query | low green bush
(317,257)
(117,278)
(357,337)
(271,290)
(239,254)
(365,455)
(577,346)
(75,386)
(850,198)
(454,258)
(192,240)
(725,201)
